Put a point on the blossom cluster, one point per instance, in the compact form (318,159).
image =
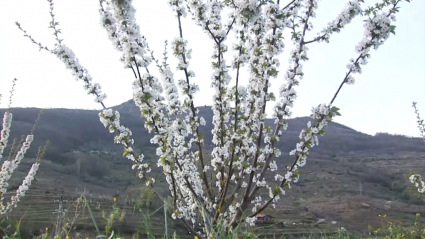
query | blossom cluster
(111,120)
(9,167)
(26,183)
(118,18)
(294,74)
(170,89)
(7,122)
(67,56)
(350,11)
(377,30)
(416,179)
(322,115)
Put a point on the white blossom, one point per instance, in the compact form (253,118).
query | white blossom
(4,134)
(9,166)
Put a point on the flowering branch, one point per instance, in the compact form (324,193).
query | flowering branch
(350,11)
(7,121)
(9,166)
(415,178)
(41,47)
(26,183)
(179,46)
(419,121)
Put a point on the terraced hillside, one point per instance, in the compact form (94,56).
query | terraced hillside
(349,180)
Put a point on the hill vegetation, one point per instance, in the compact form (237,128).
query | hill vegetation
(350,174)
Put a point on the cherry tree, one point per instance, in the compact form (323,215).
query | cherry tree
(230,188)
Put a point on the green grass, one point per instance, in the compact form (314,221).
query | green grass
(110,222)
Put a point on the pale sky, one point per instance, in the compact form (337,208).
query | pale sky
(379,101)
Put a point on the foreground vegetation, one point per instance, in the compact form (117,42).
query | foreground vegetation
(107,228)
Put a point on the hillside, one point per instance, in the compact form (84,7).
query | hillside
(347,171)
(71,129)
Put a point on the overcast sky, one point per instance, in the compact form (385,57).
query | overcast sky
(379,101)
